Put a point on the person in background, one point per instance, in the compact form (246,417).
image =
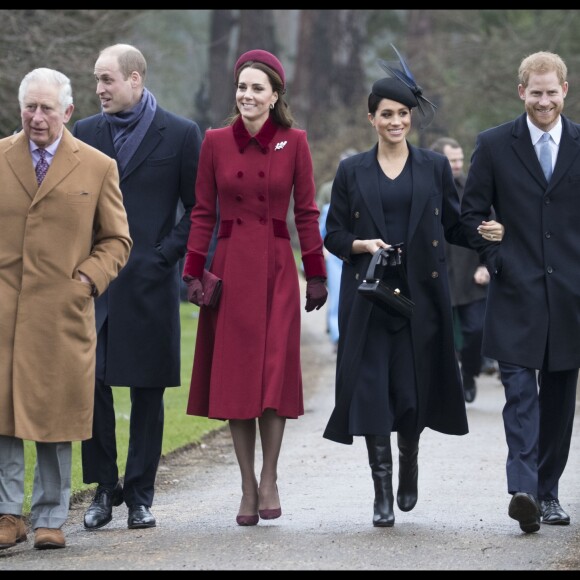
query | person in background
(246,366)
(137,319)
(333,264)
(532,322)
(64,237)
(468,279)
(395,374)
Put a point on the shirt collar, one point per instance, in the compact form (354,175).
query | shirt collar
(51,149)
(536,134)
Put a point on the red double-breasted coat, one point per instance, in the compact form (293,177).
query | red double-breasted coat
(247,354)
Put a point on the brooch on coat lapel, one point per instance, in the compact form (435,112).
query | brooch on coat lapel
(280,145)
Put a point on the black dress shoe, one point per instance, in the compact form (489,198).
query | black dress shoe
(525,509)
(100,512)
(469,389)
(140,517)
(553,513)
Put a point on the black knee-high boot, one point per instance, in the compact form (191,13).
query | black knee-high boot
(408,473)
(381,462)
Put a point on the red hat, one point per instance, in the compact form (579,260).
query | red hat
(264,57)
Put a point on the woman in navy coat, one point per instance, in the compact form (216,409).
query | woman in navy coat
(394,374)
(247,356)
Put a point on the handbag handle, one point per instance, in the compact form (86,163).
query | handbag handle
(374,262)
(377,260)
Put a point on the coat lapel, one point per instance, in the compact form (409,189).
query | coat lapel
(422,170)
(20,160)
(64,162)
(524,150)
(568,151)
(367,180)
(104,139)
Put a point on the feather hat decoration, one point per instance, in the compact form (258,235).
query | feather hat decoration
(400,71)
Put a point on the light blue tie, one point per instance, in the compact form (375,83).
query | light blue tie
(546,155)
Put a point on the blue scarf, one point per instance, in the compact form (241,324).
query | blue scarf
(129,128)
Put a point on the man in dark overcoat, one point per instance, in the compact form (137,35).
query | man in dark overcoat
(532,324)
(138,321)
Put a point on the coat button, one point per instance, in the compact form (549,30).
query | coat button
(240,174)
(356,276)
(239,220)
(357,214)
(435,243)
(261,197)
(434,274)
(436,212)
(262,220)
(262,174)
(239,197)
(549,269)
(548,235)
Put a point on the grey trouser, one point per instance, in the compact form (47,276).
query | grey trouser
(51,485)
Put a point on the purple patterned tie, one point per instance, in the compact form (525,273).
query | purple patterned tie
(41,166)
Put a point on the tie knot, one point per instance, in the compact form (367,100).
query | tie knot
(42,153)
(545,138)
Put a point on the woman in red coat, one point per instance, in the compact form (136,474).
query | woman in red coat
(247,356)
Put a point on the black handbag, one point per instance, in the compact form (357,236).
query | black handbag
(373,288)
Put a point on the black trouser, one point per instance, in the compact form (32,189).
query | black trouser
(471,318)
(99,454)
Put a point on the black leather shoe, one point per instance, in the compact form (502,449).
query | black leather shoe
(100,512)
(140,517)
(552,513)
(525,509)
(469,389)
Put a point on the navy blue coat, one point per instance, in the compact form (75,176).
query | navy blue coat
(533,299)
(356,212)
(142,306)
(461,266)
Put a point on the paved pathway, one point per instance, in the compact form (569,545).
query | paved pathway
(460,521)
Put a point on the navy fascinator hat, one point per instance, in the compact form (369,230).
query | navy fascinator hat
(400,86)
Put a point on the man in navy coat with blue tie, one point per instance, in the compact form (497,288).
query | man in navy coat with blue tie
(532,324)
(138,324)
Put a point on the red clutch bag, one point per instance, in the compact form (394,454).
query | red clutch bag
(212,289)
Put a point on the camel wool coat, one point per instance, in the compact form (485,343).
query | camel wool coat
(74,222)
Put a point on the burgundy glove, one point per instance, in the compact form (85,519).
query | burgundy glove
(316,293)
(194,290)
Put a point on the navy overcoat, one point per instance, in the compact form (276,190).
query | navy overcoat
(533,301)
(356,212)
(142,306)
